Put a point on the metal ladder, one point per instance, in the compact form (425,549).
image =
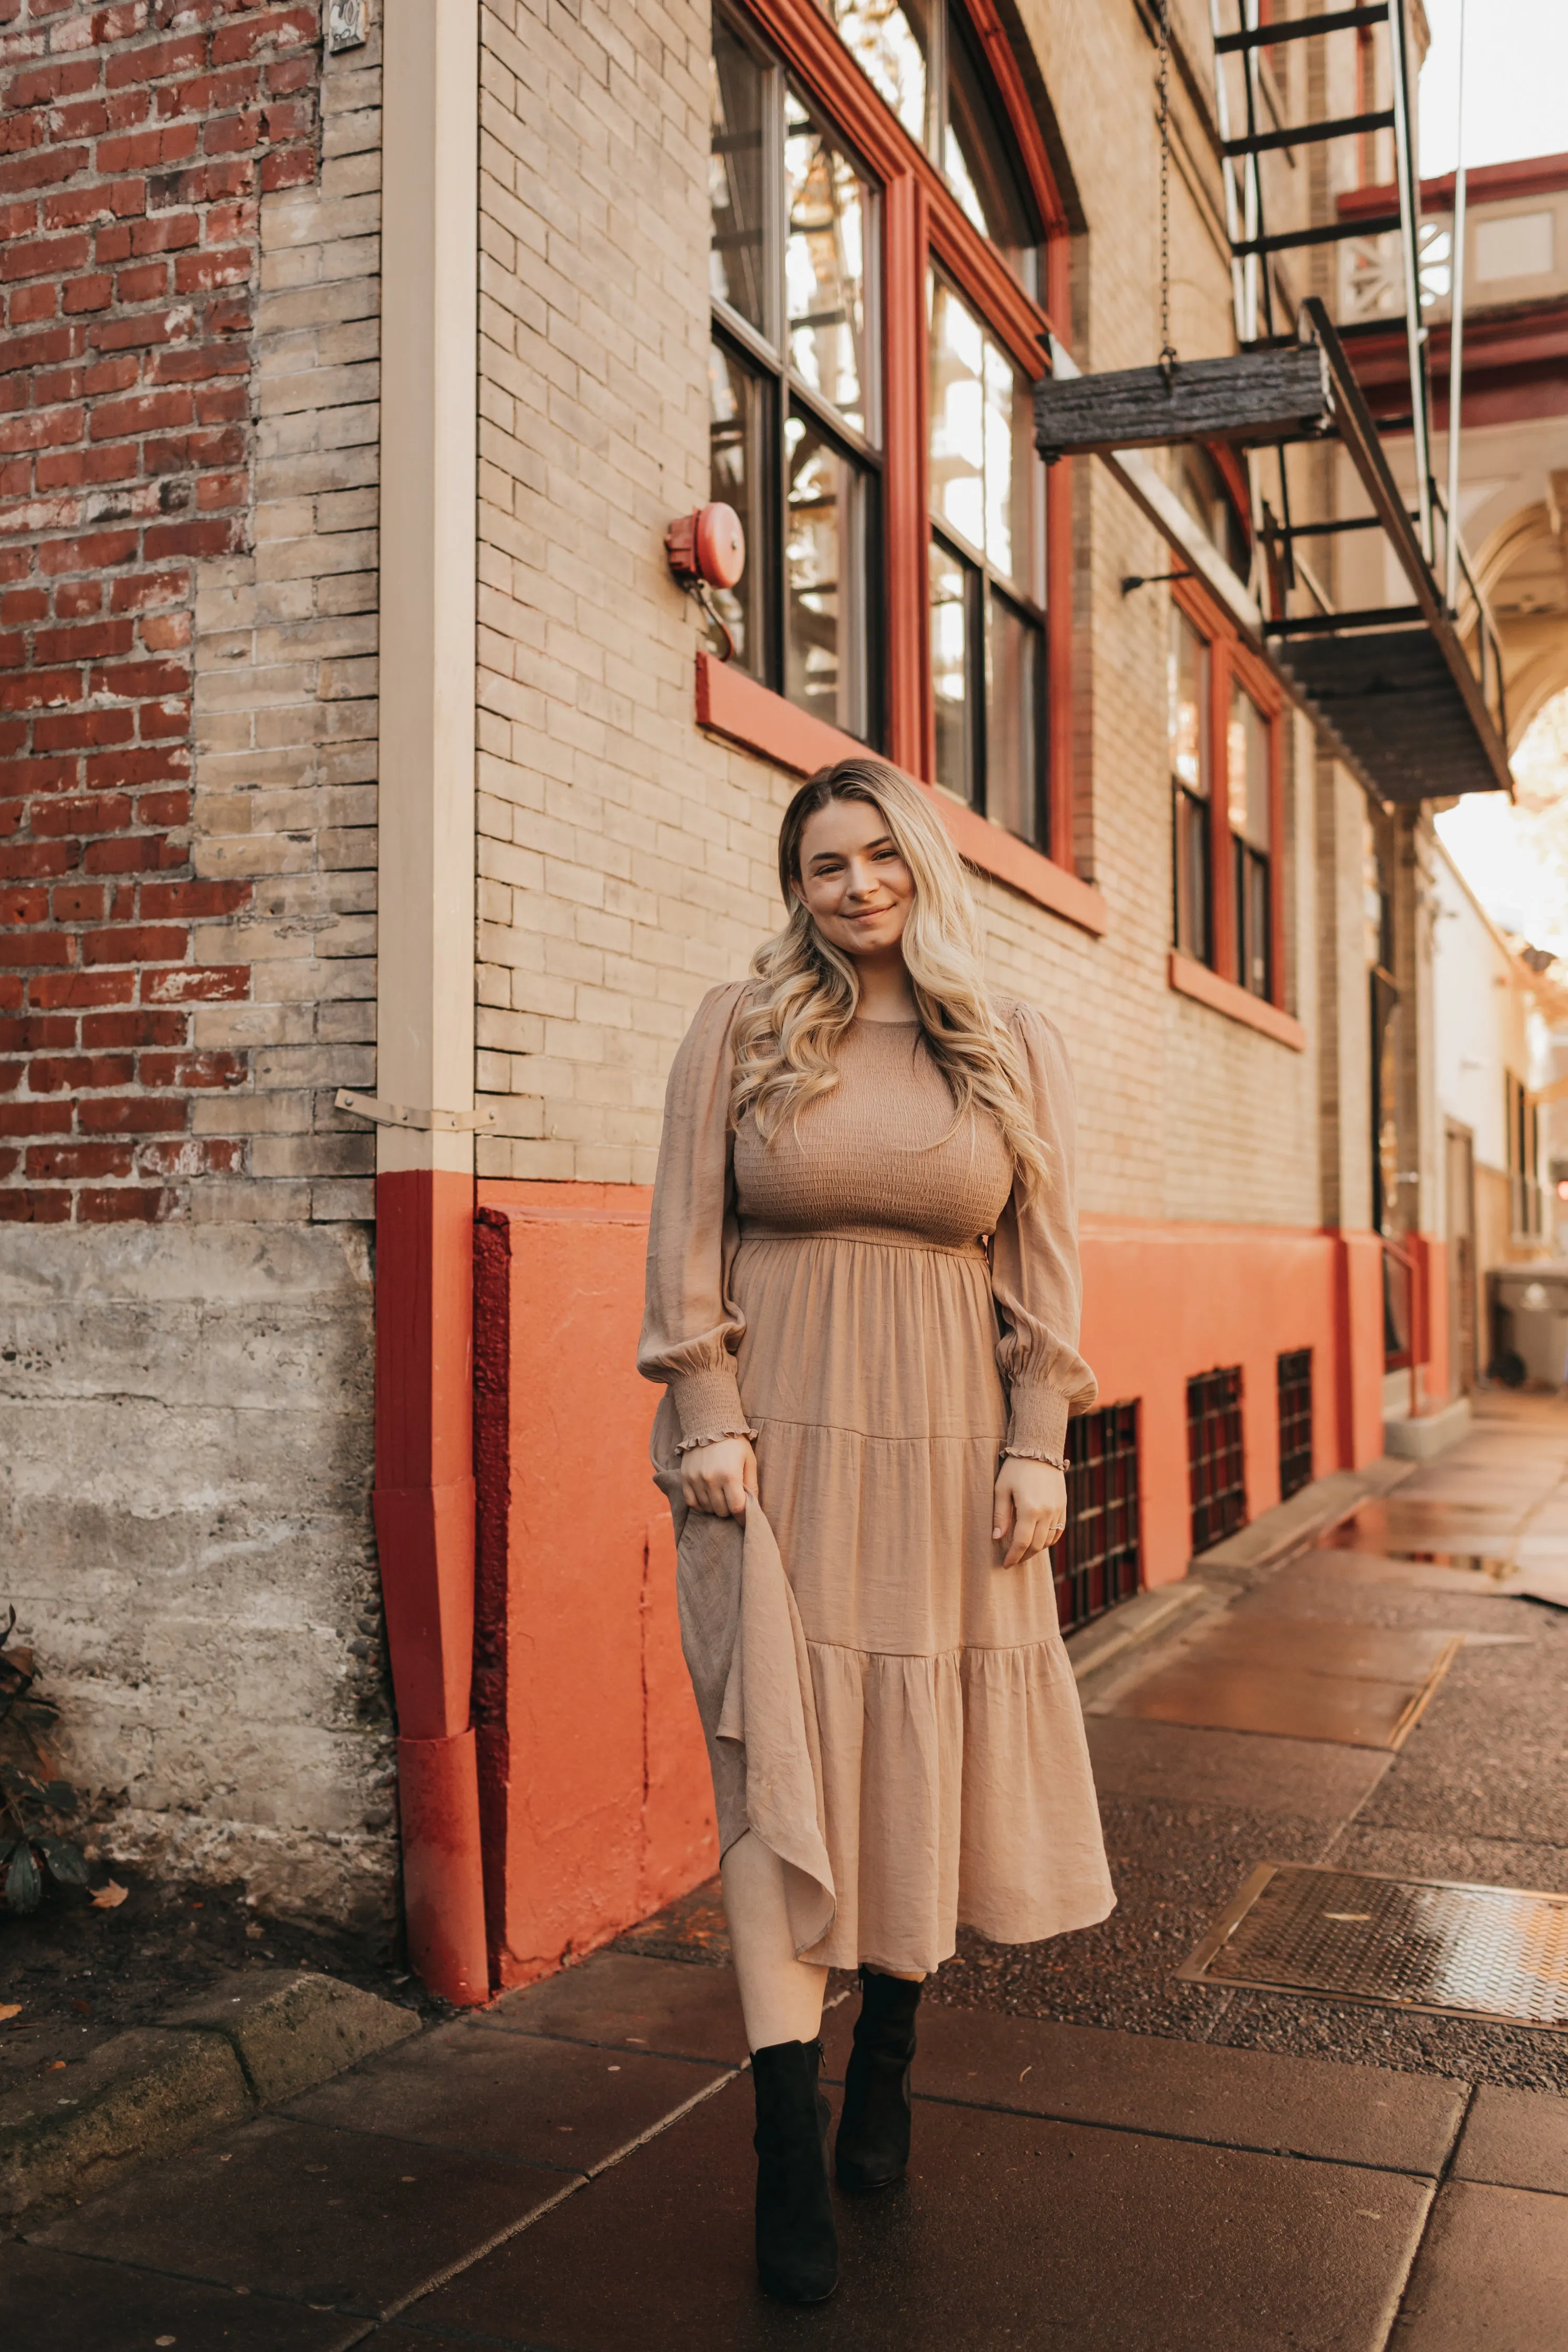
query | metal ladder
(1251,243)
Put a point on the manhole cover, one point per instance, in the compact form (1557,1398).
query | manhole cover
(1406,1943)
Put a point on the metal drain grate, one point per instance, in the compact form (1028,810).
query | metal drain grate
(1404,1943)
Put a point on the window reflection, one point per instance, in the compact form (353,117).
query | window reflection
(922,60)
(738,471)
(890,40)
(1246,769)
(738,95)
(950,669)
(1247,795)
(1013,763)
(984,474)
(824,529)
(957,415)
(828,211)
(978,159)
(1191,774)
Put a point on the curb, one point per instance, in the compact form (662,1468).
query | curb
(249,2042)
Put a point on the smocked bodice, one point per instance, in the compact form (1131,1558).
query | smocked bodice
(880,1155)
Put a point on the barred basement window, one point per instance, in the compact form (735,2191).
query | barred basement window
(1216,1473)
(1295,1375)
(1099,1561)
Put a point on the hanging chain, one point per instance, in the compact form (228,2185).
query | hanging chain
(1167,348)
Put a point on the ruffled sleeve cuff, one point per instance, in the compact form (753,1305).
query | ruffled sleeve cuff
(1036,1422)
(708,1405)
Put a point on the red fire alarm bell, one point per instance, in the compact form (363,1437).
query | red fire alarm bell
(708,546)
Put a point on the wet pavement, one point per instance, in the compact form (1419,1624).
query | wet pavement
(1105,2154)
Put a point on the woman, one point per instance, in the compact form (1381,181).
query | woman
(863,1299)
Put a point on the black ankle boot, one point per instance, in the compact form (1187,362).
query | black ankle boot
(873,2149)
(797,2246)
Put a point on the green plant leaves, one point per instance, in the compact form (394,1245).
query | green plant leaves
(65,1864)
(23,1880)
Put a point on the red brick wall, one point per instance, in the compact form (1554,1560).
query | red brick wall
(136,144)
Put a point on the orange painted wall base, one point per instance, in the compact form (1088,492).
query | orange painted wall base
(592,1780)
(594,1785)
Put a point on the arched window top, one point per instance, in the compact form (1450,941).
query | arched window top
(923,59)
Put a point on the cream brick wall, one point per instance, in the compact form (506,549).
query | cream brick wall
(625,861)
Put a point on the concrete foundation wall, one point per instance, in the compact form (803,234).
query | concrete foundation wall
(185,1464)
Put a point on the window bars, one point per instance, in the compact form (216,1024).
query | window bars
(1295,1377)
(1098,1560)
(1216,1476)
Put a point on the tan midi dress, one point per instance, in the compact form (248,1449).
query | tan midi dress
(884,1705)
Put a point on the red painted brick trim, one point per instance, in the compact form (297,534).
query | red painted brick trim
(1206,987)
(735,706)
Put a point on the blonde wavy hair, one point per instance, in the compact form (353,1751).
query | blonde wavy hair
(805,991)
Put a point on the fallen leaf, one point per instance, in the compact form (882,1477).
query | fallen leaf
(109,1897)
(9,2009)
(55,2066)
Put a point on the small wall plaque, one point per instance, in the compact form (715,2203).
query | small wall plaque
(347,24)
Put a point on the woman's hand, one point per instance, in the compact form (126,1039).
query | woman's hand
(719,1477)
(1031,1508)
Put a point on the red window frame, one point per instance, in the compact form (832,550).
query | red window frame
(1219,982)
(923,224)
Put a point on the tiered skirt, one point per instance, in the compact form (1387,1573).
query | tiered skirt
(885,1704)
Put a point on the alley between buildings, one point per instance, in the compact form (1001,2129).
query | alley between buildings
(1108,2154)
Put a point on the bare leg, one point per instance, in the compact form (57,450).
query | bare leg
(781,1996)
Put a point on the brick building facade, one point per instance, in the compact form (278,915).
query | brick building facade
(231,367)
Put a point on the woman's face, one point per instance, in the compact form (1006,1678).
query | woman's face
(852,878)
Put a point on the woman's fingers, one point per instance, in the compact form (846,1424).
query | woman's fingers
(1002,1514)
(717,1478)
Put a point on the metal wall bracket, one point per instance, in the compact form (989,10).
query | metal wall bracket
(449,1122)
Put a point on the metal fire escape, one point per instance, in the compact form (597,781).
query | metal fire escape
(1411,694)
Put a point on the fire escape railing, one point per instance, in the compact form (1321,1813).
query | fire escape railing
(1412,532)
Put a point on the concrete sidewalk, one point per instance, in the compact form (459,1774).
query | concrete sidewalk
(1107,2156)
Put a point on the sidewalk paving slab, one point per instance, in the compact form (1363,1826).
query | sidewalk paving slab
(1307,1779)
(1491,2276)
(67,2303)
(348,2221)
(1011,2232)
(519,2098)
(1517,2139)
(666,2007)
(1185,2090)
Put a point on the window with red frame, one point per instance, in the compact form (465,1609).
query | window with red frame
(1224,731)
(822,375)
(794,371)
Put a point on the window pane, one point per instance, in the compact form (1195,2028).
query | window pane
(1252,918)
(1246,769)
(1012,472)
(957,415)
(829,214)
(738,260)
(1192,877)
(824,662)
(1191,762)
(1012,728)
(738,473)
(978,159)
(949,670)
(891,41)
(986,479)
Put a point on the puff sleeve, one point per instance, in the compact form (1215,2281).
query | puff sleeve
(691,1326)
(1034,1273)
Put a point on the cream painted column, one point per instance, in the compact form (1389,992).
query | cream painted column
(424,967)
(429,330)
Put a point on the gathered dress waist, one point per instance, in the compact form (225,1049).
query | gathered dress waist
(877,1236)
